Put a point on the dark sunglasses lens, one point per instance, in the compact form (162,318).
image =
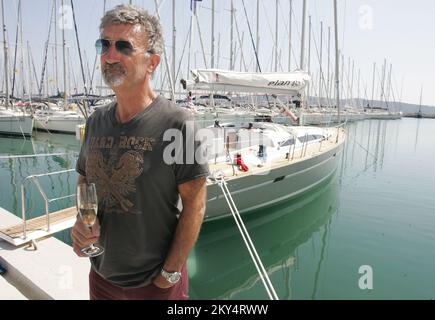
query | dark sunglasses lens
(102,46)
(124,47)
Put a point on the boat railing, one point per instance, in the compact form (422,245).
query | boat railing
(36,155)
(338,127)
(34,179)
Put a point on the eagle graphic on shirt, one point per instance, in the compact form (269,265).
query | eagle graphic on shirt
(115,183)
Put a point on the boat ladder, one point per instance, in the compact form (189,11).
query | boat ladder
(219,178)
(43,226)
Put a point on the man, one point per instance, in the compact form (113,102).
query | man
(145,245)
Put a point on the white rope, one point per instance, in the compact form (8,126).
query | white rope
(248,242)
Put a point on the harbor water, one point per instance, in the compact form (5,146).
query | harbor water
(366,233)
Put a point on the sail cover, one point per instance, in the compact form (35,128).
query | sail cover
(213,80)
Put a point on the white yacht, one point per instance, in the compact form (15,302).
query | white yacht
(263,163)
(277,163)
(54,119)
(15,122)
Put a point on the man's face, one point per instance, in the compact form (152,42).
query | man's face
(120,70)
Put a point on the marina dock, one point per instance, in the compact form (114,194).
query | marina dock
(51,272)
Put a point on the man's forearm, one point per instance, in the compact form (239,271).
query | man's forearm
(193,195)
(186,234)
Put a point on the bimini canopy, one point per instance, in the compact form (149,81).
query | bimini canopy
(213,80)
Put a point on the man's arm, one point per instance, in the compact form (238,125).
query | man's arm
(193,195)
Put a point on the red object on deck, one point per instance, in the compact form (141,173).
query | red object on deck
(239,162)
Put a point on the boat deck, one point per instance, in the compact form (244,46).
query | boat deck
(37,227)
(298,155)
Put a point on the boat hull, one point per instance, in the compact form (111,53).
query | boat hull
(16,125)
(58,125)
(253,192)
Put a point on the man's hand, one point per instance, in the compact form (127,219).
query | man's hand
(161,282)
(84,236)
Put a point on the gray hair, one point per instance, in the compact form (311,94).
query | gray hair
(134,15)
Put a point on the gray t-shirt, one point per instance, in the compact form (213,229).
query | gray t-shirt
(137,187)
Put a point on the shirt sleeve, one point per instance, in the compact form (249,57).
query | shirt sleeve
(81,161)
(194,162)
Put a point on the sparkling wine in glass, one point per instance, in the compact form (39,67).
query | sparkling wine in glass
(87,203)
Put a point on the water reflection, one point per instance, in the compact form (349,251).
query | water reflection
(365,147)
(220,266)
(15,166)
(416,134)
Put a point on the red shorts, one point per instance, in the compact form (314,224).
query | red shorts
(101,289)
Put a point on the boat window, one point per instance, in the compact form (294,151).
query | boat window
(310,137)
(288,142)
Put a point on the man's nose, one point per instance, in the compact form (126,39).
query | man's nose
(112,54)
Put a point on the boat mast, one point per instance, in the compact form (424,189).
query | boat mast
(15,50)
(190,41)
(328,91)
(30,72)
(101,73)
(55,49)
(290,36)
(166,58)
(352,83)
(276,35)
(218,51)
(232,35)
(240,40)
(5,47)
(309,59)
(257,68)
(212,34)
(373,85)
(389,82)
(174,38)
(358,90)
(337,63)
(200,40)
(384,71)
(304,16)
(22,53)
(64,57)
(421,100)
(85,101)
(321,61)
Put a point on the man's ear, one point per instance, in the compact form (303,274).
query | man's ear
(154,63)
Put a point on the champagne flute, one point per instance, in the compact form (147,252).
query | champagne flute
(88,207)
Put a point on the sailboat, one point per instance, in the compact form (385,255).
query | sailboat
(54,119)
(264,163)
(419,113)
(12,122)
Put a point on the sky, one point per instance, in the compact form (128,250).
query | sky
(370,31)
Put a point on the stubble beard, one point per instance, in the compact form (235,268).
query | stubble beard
(114,74)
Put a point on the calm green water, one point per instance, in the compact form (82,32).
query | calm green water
(378,210)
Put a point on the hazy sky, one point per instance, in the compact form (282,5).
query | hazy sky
(400,31)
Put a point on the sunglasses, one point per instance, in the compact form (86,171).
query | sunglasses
(122,46)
